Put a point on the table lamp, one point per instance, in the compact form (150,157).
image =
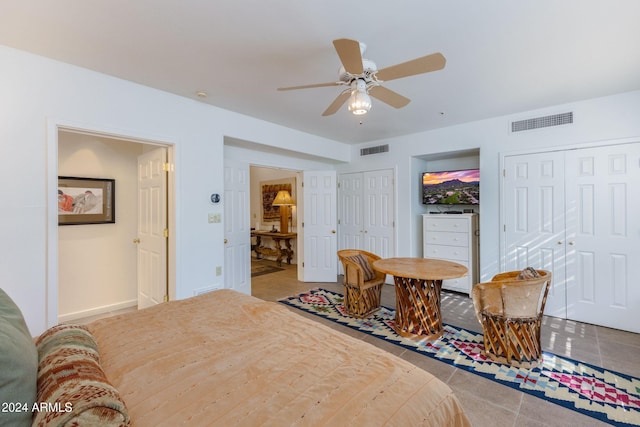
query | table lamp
(284,200)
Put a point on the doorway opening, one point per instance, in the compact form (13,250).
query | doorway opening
(265,182)
(92,269)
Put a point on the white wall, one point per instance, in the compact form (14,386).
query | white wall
(97,262)
(38,93)
(596,120)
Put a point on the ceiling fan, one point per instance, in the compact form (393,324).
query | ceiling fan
(363,78)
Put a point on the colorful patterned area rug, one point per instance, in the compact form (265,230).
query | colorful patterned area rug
(599,393)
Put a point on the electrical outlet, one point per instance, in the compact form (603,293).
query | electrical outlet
(219,270)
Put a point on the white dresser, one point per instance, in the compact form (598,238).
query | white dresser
(453,237)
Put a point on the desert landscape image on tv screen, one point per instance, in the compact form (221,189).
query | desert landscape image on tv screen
(451,187)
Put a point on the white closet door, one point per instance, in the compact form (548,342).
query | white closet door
(603,234)
(378,212)
(350,215)
(535,220)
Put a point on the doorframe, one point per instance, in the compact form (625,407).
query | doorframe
(299,193)
(299,202)
(54,126)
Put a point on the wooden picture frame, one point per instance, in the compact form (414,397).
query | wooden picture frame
(86,200)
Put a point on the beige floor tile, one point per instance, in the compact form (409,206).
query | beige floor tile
(482,413)
(554,415)
(491,391)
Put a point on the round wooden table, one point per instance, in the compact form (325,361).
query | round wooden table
(418,282)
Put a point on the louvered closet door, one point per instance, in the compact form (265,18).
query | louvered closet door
(535,220)
(603,235)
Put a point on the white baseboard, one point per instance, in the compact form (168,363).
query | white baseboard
(97,311)
(206,289)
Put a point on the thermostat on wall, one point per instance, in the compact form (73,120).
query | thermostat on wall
(215,198)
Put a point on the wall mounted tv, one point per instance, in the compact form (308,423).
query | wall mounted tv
(459,187)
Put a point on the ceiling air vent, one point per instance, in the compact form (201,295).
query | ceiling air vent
(542,122)
(374,150)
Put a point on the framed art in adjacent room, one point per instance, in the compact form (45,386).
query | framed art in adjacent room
(269,190)
(86,200)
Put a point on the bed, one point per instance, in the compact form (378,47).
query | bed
(225,358)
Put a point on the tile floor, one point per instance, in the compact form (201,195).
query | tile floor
(488,403)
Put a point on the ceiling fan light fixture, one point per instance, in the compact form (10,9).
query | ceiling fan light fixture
(359,101)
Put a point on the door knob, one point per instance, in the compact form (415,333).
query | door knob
(333,231)
(226,241)
(136,241)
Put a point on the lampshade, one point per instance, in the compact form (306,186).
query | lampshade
(359,101)
(283,198)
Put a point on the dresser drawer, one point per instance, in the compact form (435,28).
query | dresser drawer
(461,284)
(446,238)
(453,253)
(446,224)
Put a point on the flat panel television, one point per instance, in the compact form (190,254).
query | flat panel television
(459,187)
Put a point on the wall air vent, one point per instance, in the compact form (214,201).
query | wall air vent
(374,150)
(542,122)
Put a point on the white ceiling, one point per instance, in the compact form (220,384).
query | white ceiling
(502,56)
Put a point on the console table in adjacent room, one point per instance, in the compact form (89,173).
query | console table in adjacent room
(279,251)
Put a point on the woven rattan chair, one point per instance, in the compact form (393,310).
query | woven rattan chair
(510,311)
(362,284)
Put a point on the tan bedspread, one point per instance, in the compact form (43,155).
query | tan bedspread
(225,358)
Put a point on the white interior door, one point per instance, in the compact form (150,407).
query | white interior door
(350,206)
(534,218)
(152,228)
(379,213)
(237,233)
(603,235)
(320,226)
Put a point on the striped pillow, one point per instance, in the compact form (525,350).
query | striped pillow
(72,387)
(528,273)
(363,262)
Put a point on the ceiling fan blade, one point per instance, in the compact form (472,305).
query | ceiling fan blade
(309,86)
(433,62)
(350,56)
(388,96)
(337,103)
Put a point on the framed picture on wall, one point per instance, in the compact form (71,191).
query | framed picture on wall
(86,200)
(269,189)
